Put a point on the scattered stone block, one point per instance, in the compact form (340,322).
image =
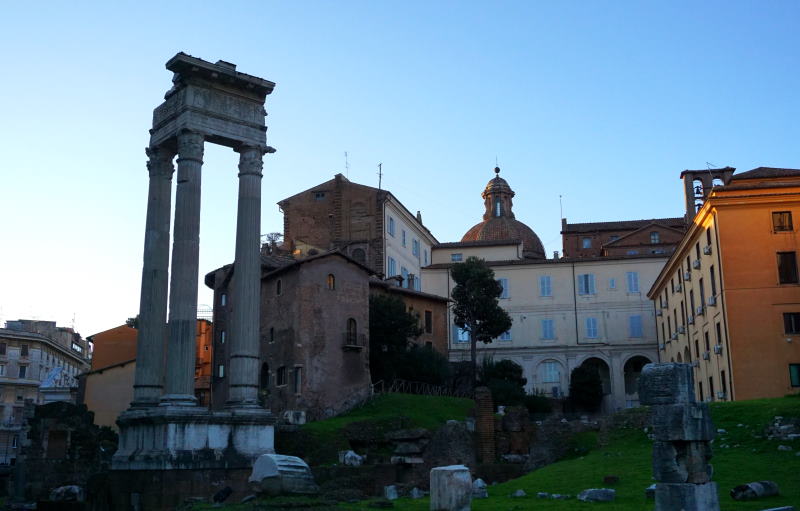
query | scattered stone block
(479,490)
(416,493)
(784,447)
(451,488)
(390,492)
(688,497)
(519,493)
(755,490)
(351,459)
(597,495)
(543,495)
(666,384)
(69,493)
(276,474)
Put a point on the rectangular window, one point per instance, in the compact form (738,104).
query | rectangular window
(403,237)
(428,322)
(633,281)
(404,274)
(23,370)
(635,326)
(787,268)
(612,283)
(222,337)
(719,334)
(723,382)
(591,328)
(544,286)
(791,322)
(391,268)
(415,247)
(586,242)
(221,371)
(505,336)
(319,195)
(281,376)
(390,226)
(297,380)
(586,284)
(2,369)
(223,300)
(548,329)
(782,221)
(425,258)
(713,281)
(2,348)
(550,373)
(418,284)
(456,257)
(655,238)
(23,350)
(461,335)
(794,374)
(504,283)
(700,387)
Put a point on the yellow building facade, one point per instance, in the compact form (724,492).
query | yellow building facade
(728,300)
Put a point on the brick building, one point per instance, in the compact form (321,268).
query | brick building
(368,224)
(628,237)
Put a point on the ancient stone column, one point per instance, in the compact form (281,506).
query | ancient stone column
(183,283)
(148,383)
(246,294)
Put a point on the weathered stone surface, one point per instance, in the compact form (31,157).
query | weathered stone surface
(686,497)
(684,422)
(275,474)
(666,384)
(390,492)
(451,488)
(519,493)
(755,490)
(70,493)
(479,490)
(597,495)
(351,459)
(681,462)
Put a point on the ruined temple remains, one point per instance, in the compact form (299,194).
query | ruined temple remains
(164,428)
(682,445)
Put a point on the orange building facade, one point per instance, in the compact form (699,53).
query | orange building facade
(728,300)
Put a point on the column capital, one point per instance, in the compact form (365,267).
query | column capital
(190,145)
(251,160)
(159,161)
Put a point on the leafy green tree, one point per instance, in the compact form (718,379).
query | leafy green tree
(133,322)
(505,380)
(475,305)
(586,388)
(390,328)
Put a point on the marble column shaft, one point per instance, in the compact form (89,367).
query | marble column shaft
(184,277)
(148,383)
(246,293)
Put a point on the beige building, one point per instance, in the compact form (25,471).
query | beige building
(728,300)
(39,362)
(565,312)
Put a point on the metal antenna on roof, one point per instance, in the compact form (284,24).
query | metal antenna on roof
(380,175)
(346,166)
(560,207)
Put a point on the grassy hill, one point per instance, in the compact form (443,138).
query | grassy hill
(750,457)
(741,455)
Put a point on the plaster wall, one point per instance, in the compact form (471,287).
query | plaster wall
(109,392)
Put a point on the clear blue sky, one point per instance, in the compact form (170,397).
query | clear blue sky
(601,102)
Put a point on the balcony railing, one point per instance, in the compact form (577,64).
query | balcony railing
(353,341)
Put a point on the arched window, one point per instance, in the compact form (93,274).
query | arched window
(359,255)
(278,287)
(497,207)
(271,334)
(331,281)
(717,182)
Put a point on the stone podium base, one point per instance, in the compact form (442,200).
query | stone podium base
(192,438)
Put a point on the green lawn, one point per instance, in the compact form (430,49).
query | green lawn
(628,456)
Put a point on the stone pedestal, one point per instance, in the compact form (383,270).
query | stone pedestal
(451,488)
(671,497)
(165,438)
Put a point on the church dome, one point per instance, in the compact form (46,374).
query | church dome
(499,222)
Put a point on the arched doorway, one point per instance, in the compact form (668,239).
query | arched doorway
(632,370)
(602,369)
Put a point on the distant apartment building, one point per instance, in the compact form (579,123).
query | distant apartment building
(658,236)
(39,362)
(566,312)
(728,299)
(368,224)
(107,389)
